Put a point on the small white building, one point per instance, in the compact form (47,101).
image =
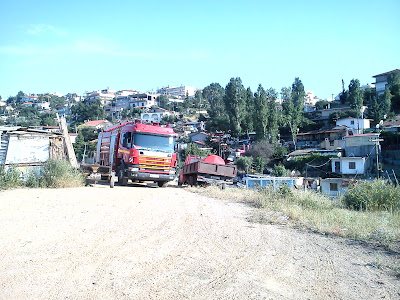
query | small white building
(348,165)
(356,124)
(333,187)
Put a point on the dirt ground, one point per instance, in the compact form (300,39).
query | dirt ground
(144,242)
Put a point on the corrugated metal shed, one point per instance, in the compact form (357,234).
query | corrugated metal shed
(29,147)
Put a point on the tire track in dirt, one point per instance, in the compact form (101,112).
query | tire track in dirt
(148,243)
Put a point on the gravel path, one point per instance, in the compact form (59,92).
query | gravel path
(143,242)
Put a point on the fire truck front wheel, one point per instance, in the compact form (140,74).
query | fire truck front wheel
(162,183)
(122,180)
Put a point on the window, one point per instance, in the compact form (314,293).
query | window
(332,143)
(127,139)
(352,122)
(333,187)
(352,165)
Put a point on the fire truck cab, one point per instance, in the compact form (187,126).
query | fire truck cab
(139,152)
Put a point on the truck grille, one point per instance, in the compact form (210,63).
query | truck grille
(154,164)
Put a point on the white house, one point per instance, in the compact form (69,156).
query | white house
(43,105)
(154,115)
(356,124)
(348,165)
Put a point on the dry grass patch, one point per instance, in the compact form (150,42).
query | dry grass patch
(316,212)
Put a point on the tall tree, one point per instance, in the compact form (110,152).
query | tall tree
(19,96)
(83,111)
(394,87)
(344,95)
(234,99)
(247,124)
(261,111)
(198,99)
(163,101)
(386,102)
(214,95)
(355,96)
(273,128)
(293,104)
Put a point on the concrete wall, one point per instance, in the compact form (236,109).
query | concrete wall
(27,149)
(327,187)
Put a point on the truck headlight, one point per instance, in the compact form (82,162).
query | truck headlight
(134,169)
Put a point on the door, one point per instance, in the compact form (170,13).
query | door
(337,166)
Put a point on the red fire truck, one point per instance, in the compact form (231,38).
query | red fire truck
(138,151)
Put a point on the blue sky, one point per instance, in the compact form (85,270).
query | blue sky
(78,46)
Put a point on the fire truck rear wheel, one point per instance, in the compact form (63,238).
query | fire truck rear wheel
(122,180)
(162,183)
(192,180)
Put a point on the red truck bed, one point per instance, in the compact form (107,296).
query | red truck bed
(201,167)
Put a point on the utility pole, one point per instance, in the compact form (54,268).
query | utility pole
(376,141)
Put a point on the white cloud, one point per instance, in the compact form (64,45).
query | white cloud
(99,46)
(37,29)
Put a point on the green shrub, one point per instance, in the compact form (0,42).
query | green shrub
(375,195)
(244,163)
(259,164)
(279,171)
(56,174)
(280,152)
(9,178)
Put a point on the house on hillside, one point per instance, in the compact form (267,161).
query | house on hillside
(97,124)
(105,96)
(348,165)
(43,105)
(137,100)
(181,91)
(391,125)
(356,124)
(63,110)
(199,137)
(361,145)
(381,81)
(30,98)
(360,155)
(323,115)
(329,139)
(154,115)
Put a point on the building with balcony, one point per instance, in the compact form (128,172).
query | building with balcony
(381,81)
(138,100)
(105,96)
(180,92)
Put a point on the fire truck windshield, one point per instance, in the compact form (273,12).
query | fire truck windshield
(154,142)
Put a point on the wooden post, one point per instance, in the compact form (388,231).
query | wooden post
(67,142)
